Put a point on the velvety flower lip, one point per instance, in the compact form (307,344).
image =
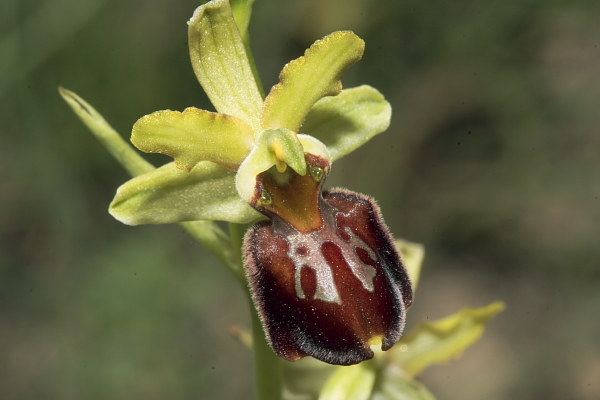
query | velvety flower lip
(323,270)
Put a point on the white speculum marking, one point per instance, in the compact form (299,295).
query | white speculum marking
(305,251)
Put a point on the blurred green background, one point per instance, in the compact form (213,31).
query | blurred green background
(492,162)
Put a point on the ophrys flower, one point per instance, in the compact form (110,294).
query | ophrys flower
(323,270)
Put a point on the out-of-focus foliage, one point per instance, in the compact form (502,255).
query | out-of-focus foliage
(491,162)
(441,341)
(395,384)
(350,383)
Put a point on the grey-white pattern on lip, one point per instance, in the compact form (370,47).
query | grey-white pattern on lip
(306,251)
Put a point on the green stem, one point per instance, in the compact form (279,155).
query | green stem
(267,366)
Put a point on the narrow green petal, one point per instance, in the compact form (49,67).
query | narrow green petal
(349,120)
(350,383)
(194,135)
(221,63)
(279,147)
(443,340)
(168,195)
(309,78)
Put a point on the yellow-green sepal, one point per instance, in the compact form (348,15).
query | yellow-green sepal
(307,79)
(221,64)
(168,195)
(347,121)
(194,135)
(443,340)
(273,147)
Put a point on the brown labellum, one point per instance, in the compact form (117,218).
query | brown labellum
(325,276)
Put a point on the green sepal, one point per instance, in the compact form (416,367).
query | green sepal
(350,383)
(273,147)
(194,135)
(168,195)
(412,256)
(349,120)
(395,384)
(307,79)
(443,340)
(221,64)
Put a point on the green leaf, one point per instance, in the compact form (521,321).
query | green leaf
(443,340)
(349,120)
(207,233)
(395,384)
(125,154)
(168,195)
(221,63)
(309,78)
(412,255)
(193,136)
(350,383)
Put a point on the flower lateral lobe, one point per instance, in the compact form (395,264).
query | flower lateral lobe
(325,276)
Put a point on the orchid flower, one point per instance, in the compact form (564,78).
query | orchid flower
(324,274)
